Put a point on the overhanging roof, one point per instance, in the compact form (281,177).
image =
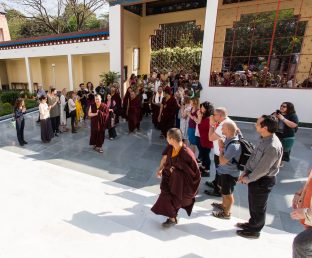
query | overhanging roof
(127,2)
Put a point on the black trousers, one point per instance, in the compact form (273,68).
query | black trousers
(72,119)
(55,124)
(20,124)
(217,177)
(258,194)
(112,133)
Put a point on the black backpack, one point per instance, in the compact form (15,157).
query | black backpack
(247,148)
(66,109)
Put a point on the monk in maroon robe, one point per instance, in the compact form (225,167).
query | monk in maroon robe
(125,103)
(156,103)
(180,179)
(134,112)
(116,97)
(99,114)
(167,113)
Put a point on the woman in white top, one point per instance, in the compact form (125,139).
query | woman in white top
(184,120)
(72,110)
(63,112)
(45,121)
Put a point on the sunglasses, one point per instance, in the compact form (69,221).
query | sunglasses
(283,106)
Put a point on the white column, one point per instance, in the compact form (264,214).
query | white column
(70,72)
(28,74)
(116,39)
(209,34)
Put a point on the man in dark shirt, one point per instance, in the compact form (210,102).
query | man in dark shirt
(82,93)
(101,90)
(260,175)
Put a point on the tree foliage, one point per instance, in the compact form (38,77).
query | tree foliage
(67,16)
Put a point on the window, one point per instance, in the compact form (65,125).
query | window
(259,40)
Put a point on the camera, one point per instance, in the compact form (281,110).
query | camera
(277,111)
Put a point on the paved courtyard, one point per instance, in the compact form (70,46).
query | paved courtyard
(128,166)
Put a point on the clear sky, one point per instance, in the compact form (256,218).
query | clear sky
(50,4)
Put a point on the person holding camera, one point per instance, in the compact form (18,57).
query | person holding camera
(287,127)
(19,111)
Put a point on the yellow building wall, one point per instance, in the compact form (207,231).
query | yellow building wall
(136,27)
(93,66)
(131,34)
(35,70)
(16,69)
(61,72)
(228,14)
(151,23)
(3,74)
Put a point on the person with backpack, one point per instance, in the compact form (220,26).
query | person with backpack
(260,175)
(230,152)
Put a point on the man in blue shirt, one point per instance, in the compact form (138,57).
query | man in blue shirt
(230,151)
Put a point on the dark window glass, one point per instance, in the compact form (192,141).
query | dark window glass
(228,48)
(286,28)
(263,30)
(234,1)
(237,63)
(229,34)
(301,28)
(282,46)
(243,32)
(241,48)
(260,47)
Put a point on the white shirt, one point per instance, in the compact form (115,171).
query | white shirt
(44,111)
(71,105)
(157,84)
(218,131)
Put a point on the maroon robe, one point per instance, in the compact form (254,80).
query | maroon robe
(169,111)
(179,187)
(134,113)
(125,102)
(98,125)
(155,110)
(116,97)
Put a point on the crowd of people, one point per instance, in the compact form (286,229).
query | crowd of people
(192,129)
(261,79)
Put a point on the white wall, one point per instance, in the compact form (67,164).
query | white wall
(92,47)
(254,102)
(116,37)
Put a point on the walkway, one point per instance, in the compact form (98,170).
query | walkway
(48,211)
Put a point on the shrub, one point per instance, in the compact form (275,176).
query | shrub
(10,97)
(6,109)
(31,103)
(109,78)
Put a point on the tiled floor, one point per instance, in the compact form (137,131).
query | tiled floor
(49,211)
(131,160)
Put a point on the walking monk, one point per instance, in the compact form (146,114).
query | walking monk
(134,112)
(98,113)
(167,113)
(180,179)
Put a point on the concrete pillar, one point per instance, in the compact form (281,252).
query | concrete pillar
(70,72)
(116,41)
(208,43)
(29,80)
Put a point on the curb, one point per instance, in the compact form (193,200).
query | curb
(9,117)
